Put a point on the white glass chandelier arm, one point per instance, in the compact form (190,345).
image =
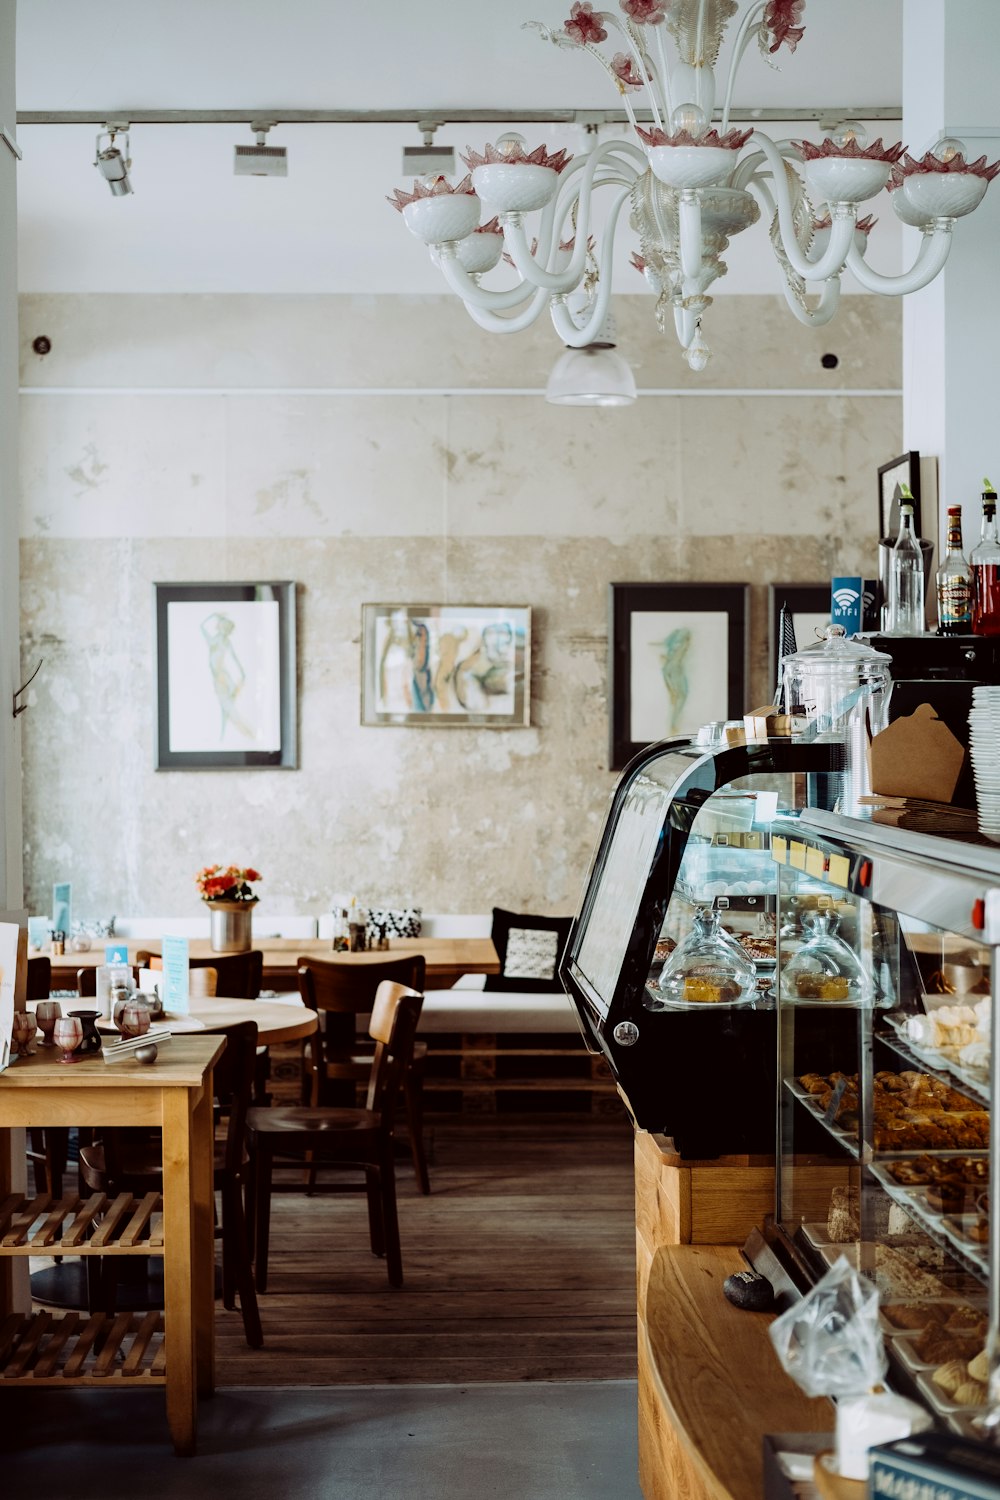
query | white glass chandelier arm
(524,319)
(668,102)
(471,293)
(685,325)
(815,317)
(841,233)
(933,252)
(740,44)
(644,68)
(578,336)
(527,266)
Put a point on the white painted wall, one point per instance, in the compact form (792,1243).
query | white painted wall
(10,728)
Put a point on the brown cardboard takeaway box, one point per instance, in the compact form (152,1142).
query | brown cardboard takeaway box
(917,756)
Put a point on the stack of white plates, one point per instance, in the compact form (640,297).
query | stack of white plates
(984,749)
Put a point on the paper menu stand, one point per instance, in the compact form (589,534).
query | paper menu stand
(176,969)
(38,931)
(61,906)
(13,978)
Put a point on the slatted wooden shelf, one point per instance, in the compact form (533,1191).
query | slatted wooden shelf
(96,1225)
(41,1349)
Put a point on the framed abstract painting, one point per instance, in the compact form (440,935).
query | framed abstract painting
(446,665)
(225,676)
(678,659)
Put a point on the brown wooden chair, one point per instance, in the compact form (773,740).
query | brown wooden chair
(47,1148)
(239,975)
(86,981)
(344,995)
(129,1161)
(345,1139)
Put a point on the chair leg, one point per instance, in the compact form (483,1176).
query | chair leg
(262,1228)
(228,1263)
(376,1227)
(390,1218)
(413,1097)
(235,1250)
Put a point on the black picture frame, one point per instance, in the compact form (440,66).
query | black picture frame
(225,676)
(902,470)
(638,690)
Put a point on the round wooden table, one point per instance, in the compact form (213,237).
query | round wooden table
(275,1022)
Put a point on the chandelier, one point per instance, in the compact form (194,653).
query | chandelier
(688,186)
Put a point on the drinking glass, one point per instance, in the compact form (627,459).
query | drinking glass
(68,1034)
(134,1019)
(47,1013)
(23,1033)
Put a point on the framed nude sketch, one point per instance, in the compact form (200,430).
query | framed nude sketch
(225,676)
(678,659)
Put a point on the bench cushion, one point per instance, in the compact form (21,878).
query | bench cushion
(469,1011)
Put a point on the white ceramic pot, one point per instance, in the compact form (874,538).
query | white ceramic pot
(442,217)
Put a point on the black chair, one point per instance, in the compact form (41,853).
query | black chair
(240,975)
(347,1140)
(47,1148)
(129,1161)
(39,984)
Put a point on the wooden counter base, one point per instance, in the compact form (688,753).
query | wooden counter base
(710,1383)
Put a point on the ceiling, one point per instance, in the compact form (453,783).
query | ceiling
(192,226)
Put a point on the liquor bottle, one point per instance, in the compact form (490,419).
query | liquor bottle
(954,582)
(906,579)
(984,565)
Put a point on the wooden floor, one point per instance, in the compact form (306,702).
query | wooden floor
(519,1266)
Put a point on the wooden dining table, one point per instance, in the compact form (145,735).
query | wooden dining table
(446,959)
(129,1352)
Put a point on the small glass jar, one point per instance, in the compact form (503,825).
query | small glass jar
(825,970)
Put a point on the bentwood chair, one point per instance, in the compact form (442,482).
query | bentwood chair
(129,1161)
(344,1139)
(344,994)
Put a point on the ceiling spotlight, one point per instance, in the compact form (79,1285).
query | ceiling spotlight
(113,162)
(428,160)
(260,160)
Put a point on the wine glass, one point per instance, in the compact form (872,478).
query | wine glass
(47,1013)
(68,1034)
(23,1033)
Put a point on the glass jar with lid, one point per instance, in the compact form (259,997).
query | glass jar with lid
(707,968)
(825,969)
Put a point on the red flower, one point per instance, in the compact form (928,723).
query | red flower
(644,12)
(623,68)
(779,19)
(583,26)
(252,875)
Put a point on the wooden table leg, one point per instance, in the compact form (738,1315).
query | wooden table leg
(204,1243)
(6,1261)
(179,1185)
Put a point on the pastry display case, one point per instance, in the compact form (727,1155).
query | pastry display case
(887,991)
(671,961)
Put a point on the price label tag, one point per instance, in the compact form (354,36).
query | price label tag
(779,849)
(815,863)
(839,872)
(797,855)
(833,1108)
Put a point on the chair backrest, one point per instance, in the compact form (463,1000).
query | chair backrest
(239,975)
(86,981)
(393,1028)
(203,982)
(345,991)
(39,981)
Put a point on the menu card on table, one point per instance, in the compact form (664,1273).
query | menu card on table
(13,977)
(61,907)
(176,969)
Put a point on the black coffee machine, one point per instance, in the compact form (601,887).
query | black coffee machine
(941,670)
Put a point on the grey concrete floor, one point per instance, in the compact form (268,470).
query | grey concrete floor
(571,1440)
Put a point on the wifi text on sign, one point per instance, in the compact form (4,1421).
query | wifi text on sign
(846,604)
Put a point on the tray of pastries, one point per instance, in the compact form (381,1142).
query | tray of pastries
(912,1111)
(956,1384)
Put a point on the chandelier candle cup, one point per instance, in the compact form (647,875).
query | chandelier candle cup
(687,149)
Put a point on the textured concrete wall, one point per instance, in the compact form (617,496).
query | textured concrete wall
(376,450)
(10,664)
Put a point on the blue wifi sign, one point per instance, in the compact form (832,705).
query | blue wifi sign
(846,604)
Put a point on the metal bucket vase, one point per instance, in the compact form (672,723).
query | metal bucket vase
(231,926)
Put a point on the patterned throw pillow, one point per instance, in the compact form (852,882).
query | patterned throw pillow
(399,922)
(529,948)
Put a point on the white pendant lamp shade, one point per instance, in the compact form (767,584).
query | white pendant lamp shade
(595,375)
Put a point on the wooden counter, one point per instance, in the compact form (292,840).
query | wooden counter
(710,1383)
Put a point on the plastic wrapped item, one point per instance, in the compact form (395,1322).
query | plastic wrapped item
(708,968)
(825,968)
(831,1344)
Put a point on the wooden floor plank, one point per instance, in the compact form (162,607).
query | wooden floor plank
(520,1265)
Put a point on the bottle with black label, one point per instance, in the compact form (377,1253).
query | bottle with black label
(984,564)
(954,582)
